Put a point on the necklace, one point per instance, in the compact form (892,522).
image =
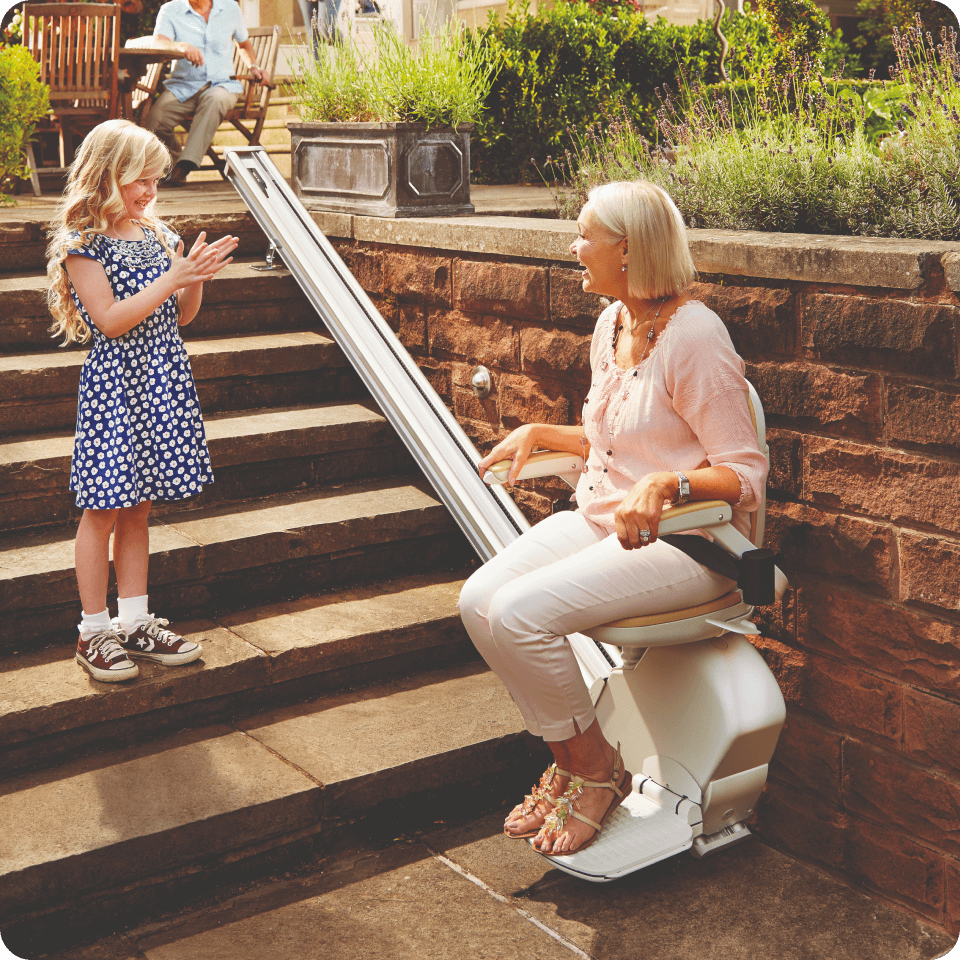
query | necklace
(650,332)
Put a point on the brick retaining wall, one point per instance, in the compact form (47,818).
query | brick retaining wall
(853,346)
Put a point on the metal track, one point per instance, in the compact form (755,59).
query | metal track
(487,515)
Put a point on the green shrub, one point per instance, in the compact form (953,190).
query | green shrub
(874,36)
(572,66)
(23,101)
(802,160)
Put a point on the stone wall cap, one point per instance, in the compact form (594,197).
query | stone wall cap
(851,261)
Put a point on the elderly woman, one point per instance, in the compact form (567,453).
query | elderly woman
(666,420)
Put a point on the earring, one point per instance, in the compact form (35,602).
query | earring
(623,268)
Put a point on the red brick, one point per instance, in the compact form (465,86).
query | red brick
(761,321)
(923,415)
(474,339)
(896,866)
(848,698)
(562,354)
(902,487)
(928,571)
(534,506)
(808,756)
(507,289)
(808,397)
(525,401)
(952,920)
(417,277)
(892,791)
(931,728)
(778,620)
(366,266)
(898,335)
(912,647)
(786,462)
(802,824)
(831,546)
(869,855)
(466,405)
(569,304)
(439,378)
(411,327)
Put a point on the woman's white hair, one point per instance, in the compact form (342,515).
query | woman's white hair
(658,255)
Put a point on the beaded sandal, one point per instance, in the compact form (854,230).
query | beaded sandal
(530,801)
(566,805)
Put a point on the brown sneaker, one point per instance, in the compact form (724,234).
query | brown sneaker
(151,641)
(104,659)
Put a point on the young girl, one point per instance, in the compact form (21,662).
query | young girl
(120,276)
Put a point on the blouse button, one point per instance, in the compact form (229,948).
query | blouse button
(604,469)
(609,453)
(591,488)
(634,372)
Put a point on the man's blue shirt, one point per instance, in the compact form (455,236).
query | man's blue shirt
(214,39)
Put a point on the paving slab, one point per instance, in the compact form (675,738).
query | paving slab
(100,822)
(402,903)
(432,729)
(352,626)
(747,903)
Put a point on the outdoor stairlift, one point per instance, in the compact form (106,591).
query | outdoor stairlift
(698,713)
(694,706)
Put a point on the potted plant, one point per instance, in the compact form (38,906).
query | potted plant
(385,131)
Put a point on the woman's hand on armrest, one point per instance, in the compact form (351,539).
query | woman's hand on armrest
(642,507)
(518,446)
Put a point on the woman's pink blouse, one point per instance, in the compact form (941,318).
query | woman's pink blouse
(684,406)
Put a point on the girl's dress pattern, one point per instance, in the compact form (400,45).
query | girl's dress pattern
(139,431)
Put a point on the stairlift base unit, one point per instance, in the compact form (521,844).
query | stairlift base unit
(700,721)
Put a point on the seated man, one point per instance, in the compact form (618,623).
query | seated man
(200,84)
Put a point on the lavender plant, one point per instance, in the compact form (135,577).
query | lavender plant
(792,154)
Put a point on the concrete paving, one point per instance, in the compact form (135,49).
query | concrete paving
(220,197)
(467,891)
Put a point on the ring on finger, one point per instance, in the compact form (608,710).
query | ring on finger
(645,535)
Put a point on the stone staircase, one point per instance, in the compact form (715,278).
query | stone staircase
(337,687)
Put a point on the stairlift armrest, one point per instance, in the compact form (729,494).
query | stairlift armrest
(543,463)
(695,515)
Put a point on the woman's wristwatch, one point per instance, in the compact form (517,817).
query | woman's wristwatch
(684,489)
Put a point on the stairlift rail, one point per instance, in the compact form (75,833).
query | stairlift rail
(488,517)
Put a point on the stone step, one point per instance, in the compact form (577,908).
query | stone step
(38,391)
(256,453)
(51,708)
(127,825)
(206,561)
(240,299)
(23,242)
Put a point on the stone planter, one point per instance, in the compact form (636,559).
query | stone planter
(382,169)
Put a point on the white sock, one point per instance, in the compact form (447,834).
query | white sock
(92,624)
(131,612)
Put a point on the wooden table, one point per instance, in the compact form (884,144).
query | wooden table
(133,66)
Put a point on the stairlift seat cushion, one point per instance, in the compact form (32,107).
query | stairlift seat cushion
(730,599)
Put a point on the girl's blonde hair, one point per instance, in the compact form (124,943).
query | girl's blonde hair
(659,263)
(113,155)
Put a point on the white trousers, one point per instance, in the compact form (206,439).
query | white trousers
(565,575)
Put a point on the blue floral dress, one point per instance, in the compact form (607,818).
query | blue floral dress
(139,431)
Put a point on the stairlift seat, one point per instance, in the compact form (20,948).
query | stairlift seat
(674,626)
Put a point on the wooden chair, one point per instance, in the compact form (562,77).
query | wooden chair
(253,102)
(76,46)
(145,91)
